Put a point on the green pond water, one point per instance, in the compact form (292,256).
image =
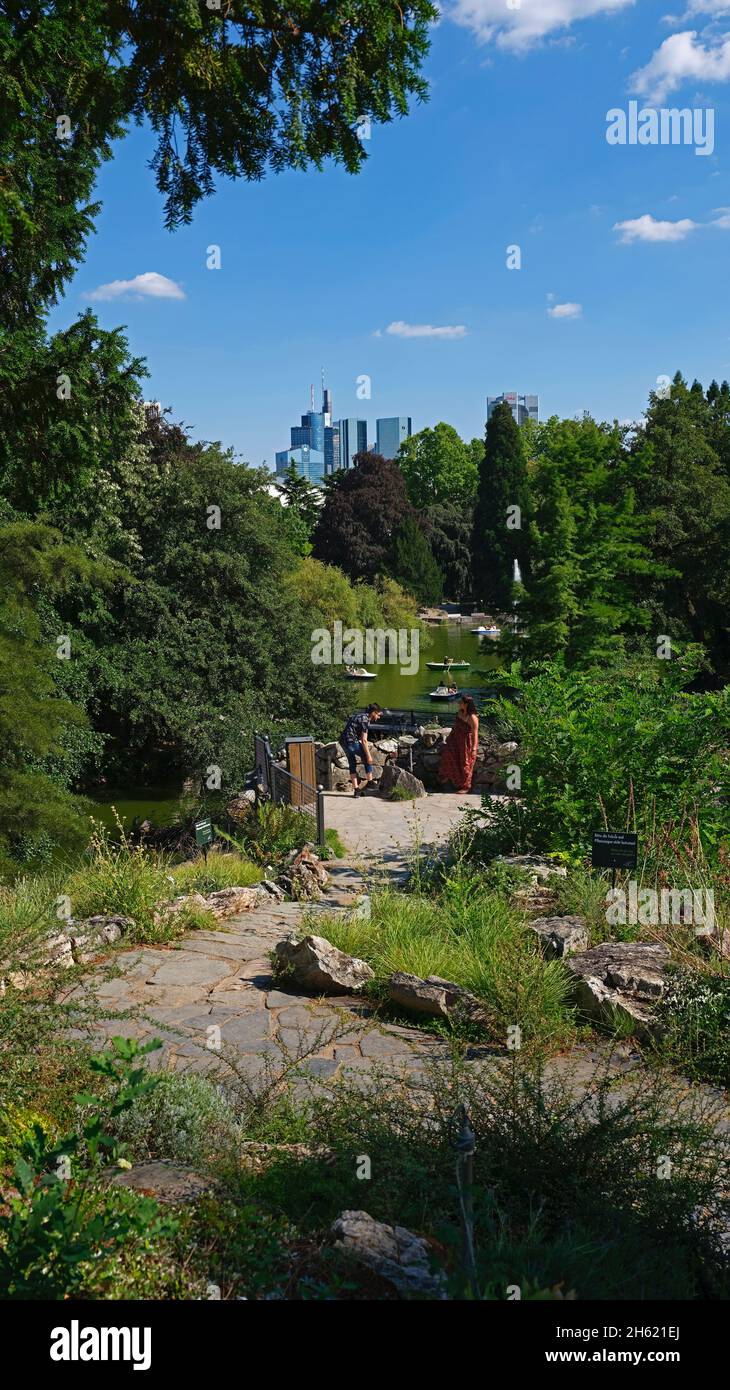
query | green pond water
(156,804)
(393,690)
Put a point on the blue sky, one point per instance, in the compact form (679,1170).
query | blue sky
(510,149)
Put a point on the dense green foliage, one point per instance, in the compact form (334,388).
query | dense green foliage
(590,560)
(439,467)
(413,564)
(36,723)
(501,514)
(616,747)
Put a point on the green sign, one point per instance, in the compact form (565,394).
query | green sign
(203,832)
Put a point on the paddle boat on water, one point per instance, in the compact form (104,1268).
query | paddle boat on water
(445,692)
(359,673)
(448,664)
(486,631)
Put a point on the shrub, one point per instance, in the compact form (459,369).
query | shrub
(59,1222)
(184,1118)
(269,832)
(694,1016)
(568,1178)
(219,871)
(119,878)
(625,747)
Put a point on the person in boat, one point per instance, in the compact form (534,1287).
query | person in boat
(459,752)
(453,689)
(354,740)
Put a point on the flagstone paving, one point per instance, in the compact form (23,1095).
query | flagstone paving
(212,1001)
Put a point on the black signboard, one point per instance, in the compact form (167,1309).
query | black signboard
(203,832)
(614,849)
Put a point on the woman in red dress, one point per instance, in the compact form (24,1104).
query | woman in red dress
(460,750)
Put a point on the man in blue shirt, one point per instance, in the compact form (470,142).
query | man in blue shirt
(354,740)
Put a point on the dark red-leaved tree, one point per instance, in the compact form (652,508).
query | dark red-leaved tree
(364,508)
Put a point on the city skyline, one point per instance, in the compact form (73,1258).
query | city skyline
(520,248)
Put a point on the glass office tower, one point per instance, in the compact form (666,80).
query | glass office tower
(390,434)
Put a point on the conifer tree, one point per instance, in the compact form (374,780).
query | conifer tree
(413,565)
(501,516)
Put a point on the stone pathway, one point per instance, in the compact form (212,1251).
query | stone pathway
(391,830)
(210,998)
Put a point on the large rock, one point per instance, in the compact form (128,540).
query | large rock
(240,807)
(392,1252)
(267,891)
(620,981)
(317,966)
(560,936)
(90,935)
(164,1180)
(227,902)
(435,997)
(394,776)
(305,875)
(388,746)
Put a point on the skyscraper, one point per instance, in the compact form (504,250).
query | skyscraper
(314,446)
(353,440)
(309,463)
(391,432)
(522,407)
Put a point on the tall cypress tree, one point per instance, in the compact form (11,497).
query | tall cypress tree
(550,605)
(500,533)
(413,565)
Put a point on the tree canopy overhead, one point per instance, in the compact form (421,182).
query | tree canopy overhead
(230,88)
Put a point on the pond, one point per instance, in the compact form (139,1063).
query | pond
(393,690)
(156,804)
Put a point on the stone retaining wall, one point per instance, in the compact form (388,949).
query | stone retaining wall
(421,754)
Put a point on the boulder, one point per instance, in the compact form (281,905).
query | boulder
(560,936)
(386,745)
(506,750)
(305,875)
(319,967)
(164,1180)
(57,950)
(89,935)
(269,892)
(434,997)
(239,807)
(620,980)
(227,902)
(392,1252)
(430,737)
(394,776)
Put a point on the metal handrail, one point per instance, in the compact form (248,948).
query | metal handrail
(272,771)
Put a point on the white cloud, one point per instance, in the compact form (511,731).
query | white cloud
(695,7)
(723,220)
(566,311)
(399,329)
(150,285)
(678,59)
(531,21)
(648,228)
